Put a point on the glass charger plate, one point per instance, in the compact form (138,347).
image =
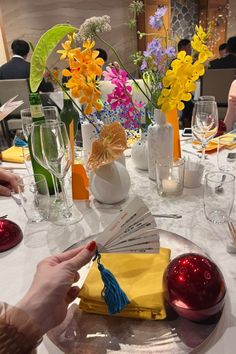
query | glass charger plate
(89,333)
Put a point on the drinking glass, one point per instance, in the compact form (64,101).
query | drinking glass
(27,160)
(50,113)
(218,196)
(34,197)
(56,150)
(204,123)
(38,155)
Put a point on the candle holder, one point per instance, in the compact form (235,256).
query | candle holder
(170,177)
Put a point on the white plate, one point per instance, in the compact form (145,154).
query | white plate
(106,334)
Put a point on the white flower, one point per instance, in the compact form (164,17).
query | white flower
(93,25)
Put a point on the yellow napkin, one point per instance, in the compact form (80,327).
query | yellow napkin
(13,154)
(139,275)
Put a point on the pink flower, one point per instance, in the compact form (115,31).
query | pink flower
(121,97)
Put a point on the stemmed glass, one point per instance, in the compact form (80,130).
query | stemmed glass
(38,155)
(50,113)
(205,123)
(56,151)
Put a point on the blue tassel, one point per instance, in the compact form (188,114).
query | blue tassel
(114,297)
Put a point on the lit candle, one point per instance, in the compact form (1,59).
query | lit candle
(169,185)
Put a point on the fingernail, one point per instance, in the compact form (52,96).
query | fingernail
(91,246)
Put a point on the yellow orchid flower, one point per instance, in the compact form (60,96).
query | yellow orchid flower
(179,80)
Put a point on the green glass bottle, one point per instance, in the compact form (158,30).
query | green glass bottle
(38,116)
(68,114)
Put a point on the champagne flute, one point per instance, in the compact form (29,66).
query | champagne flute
(37,152)
(56,151)
(204,123)
(50,113)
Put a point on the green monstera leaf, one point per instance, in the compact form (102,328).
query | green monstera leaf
(46,44)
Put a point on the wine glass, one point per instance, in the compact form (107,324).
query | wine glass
(50,113)
(56,151)
(204,123)
(207,98)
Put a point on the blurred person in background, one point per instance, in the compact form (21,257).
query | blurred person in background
(230,117)
(18,67)
(223,50)
(185,45)
(229,61)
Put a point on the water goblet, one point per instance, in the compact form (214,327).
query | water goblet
(204,123)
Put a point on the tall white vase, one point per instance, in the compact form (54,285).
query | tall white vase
(160,142)
(110,183)
(89,134)
(139,153)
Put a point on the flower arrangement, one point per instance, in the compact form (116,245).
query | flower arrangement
(168,81)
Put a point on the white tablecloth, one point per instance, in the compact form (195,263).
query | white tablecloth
(18,264)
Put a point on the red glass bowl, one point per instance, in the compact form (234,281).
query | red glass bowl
(10,234)
(194,287)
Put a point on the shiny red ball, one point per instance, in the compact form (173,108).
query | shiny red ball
(194,286)
(10,234)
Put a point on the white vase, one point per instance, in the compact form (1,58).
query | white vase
(139,153)
(160,142)
(110,183)
(89,134)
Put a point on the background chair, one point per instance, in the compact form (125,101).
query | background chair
(9,89)
(216,82)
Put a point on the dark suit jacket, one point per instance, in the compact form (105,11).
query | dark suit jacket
(18,68)
(224,63)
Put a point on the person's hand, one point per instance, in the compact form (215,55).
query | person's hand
(51,291)
(8,182)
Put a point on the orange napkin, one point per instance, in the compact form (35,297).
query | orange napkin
(80,183)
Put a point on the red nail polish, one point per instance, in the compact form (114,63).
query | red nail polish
(91,246)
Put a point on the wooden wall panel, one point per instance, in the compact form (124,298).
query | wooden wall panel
(150,7)
(27,19)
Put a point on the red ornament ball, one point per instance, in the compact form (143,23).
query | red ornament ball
(194,286)
(10,234)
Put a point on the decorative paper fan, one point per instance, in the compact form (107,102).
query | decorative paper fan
(109,147)
(134,230)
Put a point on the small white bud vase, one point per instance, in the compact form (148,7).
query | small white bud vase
(139,153)
(89,134)
(160,142)
(110,183)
